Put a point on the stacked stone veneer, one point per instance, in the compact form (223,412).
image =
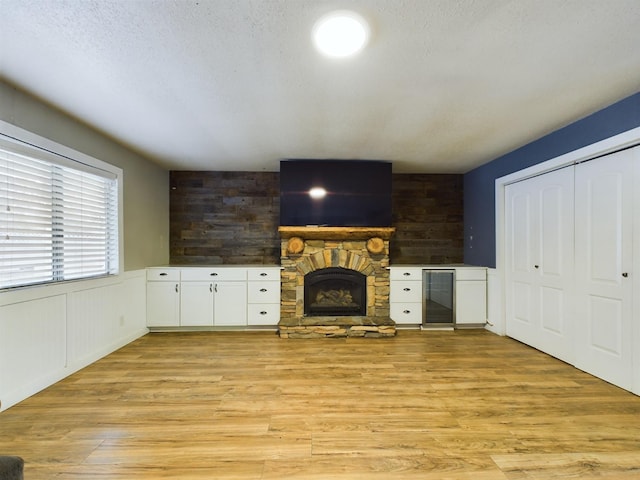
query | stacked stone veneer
(307,249)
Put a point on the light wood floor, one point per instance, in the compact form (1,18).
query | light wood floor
(249,405)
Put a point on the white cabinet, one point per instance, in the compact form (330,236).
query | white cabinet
(471,297)
(196,304)
(230,304)
(405,295)
(224,296)
(263,296)
(163,297)
(407,305)
(213,296)
(197,298)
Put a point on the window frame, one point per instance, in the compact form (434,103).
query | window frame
(41,148)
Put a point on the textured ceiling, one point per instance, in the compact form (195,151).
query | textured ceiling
(443,86)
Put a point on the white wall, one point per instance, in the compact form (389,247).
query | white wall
(50,332)
(146,185)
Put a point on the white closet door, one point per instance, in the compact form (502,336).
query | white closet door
(603,262)
(540,262)
(555,267)
(521,278)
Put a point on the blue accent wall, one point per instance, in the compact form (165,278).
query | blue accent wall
(479,184)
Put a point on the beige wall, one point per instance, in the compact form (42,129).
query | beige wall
(146,185)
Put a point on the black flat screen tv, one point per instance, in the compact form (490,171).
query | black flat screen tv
(358,193)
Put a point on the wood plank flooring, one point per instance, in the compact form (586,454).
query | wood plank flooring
(249,405)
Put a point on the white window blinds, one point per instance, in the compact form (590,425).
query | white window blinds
(56,222)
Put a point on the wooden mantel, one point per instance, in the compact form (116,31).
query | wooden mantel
(336,233)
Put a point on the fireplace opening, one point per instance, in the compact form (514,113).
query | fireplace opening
(335,291)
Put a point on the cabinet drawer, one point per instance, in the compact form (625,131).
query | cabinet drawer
(408,273)
(410,313)
(471,274)
(405,292)
(263,292)
(263,274)
(213,274)
(263,314)
(163,274)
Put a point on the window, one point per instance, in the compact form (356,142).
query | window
(58,217)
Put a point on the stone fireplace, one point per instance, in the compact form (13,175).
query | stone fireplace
(335,282)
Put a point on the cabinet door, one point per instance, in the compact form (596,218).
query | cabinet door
(471,302)
(604,225)
(196,304)
(539,263)
(230,303)
(163,304)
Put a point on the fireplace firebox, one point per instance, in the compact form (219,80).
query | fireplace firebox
(335,291)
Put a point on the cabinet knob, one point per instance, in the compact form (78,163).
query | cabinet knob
(536,266)
(263,312)
(163,274)
(406,289)
(263,289)
(263,274)
(625,274)
(406,274)
(176,288)
(214,274)
(406,311)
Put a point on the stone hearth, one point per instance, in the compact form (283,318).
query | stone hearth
(308,249)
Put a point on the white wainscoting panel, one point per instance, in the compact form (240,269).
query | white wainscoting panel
(101,320)
(43,340)
(32,347)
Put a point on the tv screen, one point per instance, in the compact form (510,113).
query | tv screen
(358,193)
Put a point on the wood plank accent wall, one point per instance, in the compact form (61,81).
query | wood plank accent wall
(233,218)
(224,218)
(429,221)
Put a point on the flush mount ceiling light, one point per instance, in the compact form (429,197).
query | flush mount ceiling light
(317,192)
(340,34)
